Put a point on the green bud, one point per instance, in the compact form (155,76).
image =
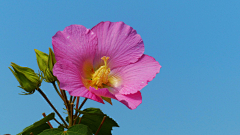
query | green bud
(51,59)
(46,63)
(42,59)
(27,78)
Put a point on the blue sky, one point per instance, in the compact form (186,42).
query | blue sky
(197,43)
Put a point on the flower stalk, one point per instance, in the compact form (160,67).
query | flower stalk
(45,97)
(80,107)
(70,118)
(84,101)
(100,125)
(55,87)
(44,115)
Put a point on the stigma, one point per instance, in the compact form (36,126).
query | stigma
(100,76)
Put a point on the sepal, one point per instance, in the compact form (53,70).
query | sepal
(27,78)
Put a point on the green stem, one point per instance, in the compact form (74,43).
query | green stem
(45,97)
(55,87)
(68,106)
(70,117)
(64,97)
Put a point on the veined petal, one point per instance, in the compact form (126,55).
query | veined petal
(118,41)
(70,80)
(87,94)
(68,75)
(102,92)
(132,78)
(131,100)
(76,44)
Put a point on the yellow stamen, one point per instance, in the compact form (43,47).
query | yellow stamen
(100,77)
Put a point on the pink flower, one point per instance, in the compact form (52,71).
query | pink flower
(103,63)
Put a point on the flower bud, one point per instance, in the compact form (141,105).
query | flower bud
(51,59)
(42,59)
(46,63)
(27,78)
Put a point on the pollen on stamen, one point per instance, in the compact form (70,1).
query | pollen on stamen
(100,76)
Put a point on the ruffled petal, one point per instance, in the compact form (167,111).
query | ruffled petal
(131,100)
(132,78)
(102,92)
(87,94)
(118,41)
(76,44)
(70,80)
(68,75)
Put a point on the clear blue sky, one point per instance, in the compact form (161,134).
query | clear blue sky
(197,91)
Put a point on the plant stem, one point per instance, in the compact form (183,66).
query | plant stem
(68,107)
(59,123)
(45,97)
(70,117)
(75,116)
(74,99)
(77,102)
(65,102)
(55,87)
(71,99)
(84,101)
(64,97)
(100,125)
(76,108)
(44,115)
(80,120)
(80,107)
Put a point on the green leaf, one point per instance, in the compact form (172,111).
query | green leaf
(38,123)
(92,117)
(78,129)
(61,127)
(38,129)
(90,113)
(54,131)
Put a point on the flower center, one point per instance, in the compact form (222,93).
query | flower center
(100,76)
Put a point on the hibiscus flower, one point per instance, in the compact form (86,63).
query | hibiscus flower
(104,63)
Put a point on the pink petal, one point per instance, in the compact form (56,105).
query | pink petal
(87,94)
(102,92)
(70,80)
(68,74)
(76,44)
(118,41)
(131,100)
(135,76)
